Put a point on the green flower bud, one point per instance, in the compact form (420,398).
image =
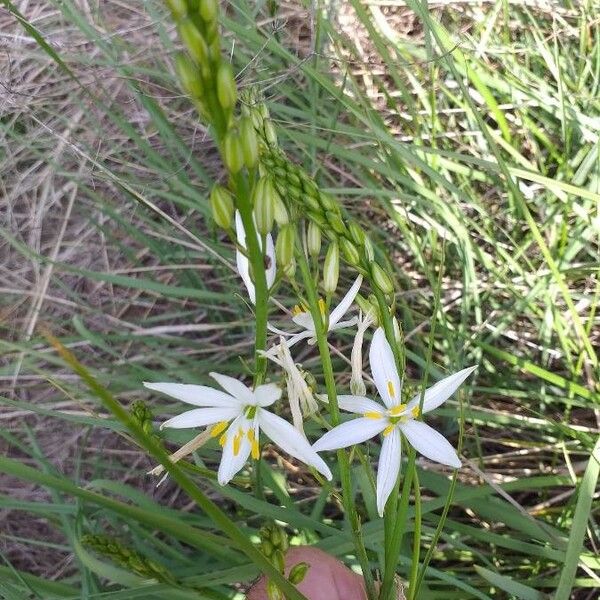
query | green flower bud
(284,247)
(189,76)
(331,268)
(269,132)
(278,560)
(209,10)
(349,251)
(226,87)
(221,203)
(273,592)
(369,251)
(263,198)
(290,269)
(356,233)
(381,279)
(249,142)
(267,548)
(298,573)
(279,538)
(313,239)
(281,214)
(328,203)
(232,152)
(178,8)
(336,222)
(194,41)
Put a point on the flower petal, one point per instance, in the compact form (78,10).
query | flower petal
(388,468)
(271,264)
(291,440)
(305,320)
(200,417)
(359,405)
(235,453)
(350,433)
(236,388)
(298,337)
(430,443)
(383,368)
(440,392)
(342,308)
(343,324)
(198,395)
(266,394)
(243,265)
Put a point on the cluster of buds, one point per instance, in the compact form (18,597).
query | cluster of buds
(127,558)
(274,544)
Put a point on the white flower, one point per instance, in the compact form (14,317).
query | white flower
(243,264)
(394,418)
(237,415)
(304,319)
(357,385)
(300,396)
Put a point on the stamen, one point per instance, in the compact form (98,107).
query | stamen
(389,429)
(223,439)
(255,449)
(372,415)
(396,411)
(416,412)
(297,310)
(237,442)
(322,306)
(250,435)
(391,390)
(218,428)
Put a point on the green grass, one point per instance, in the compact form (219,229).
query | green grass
(475,142)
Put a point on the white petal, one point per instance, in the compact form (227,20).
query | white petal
(291,440)
(198,395)
(298,337)
(440,392)
(383,368)
(305,320)
(236,388)
(359,405)
(350,433)
(243,265)
(430,443)
(271,269)
(342,308)
(388,468)
(200,417)
(266,394)
(230,462)
(343,324)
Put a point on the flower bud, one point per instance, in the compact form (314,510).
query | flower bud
(349,251)
(336,222)
(356,233)
(209,10)
(298,573)
(226,87)
(194,41)
(279,538)
(369,251)
(278,560)
(331,268)
(273,592)
(281,214)
(290,270)
(178,8)
(263,198)
(328,202)
(284,247)
(381,279)
(313,239)
(249,142)
(232,152)
(221,203)
(269,131)
(189,76)
(267,548)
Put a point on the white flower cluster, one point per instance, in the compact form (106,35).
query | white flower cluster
(238,414)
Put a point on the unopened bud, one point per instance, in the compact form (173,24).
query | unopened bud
(278,560)
(356,233)
(369,251)
(249,142)
(279,538)
(263,198)
(281,213)
(298,573)
(221,203)
(232,152)
(267,548)
(269,131)
(331,268)
(273,592)
(397,331)
(328,203)
(209,10)
(194,41)
(336,222)
(381,279)
(349,251)
(226,88)
(284,247)
(313,239)
(189,76)
(178,8)
(290,269)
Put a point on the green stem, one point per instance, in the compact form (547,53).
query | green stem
(414,565)
(342,455)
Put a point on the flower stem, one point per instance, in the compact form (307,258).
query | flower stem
(342,455)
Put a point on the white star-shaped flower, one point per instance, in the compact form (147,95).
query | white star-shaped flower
(243,264)
(304,319)
(394,418)
(237,415)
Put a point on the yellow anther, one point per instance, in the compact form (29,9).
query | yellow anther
(389,429)
(297,310)
(218,428)
(251,435)
(223,439)
(372,415)
(396,411)
(255,450)
(237,442)
(322,306)
(416,412)
(391,390)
